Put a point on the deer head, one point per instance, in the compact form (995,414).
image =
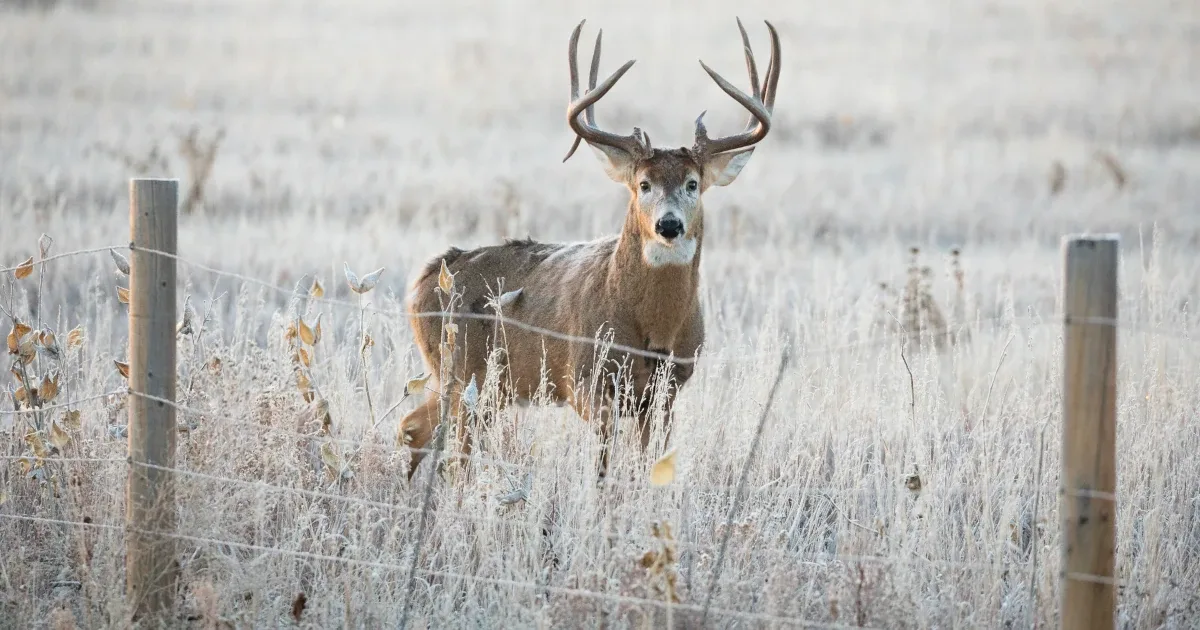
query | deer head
(665,185)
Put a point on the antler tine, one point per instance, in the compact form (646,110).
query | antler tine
(760,105)
(586,130)
(593,75)
(750,66)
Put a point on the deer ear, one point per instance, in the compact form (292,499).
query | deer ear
(617,163)
(723,168)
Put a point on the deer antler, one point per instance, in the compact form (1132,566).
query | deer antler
(760,105)
(638,142)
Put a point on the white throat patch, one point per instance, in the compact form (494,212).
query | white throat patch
(681,251)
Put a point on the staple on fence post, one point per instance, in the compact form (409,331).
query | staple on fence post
(151,568)
(1089,473)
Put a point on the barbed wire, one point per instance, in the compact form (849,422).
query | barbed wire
(560,590)
(64,405)
(79,252)
(596,341)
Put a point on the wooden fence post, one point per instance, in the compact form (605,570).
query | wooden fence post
(151,568)
(1089,457)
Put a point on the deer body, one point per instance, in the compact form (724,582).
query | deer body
(638,289)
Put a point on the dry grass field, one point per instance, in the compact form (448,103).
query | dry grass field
(896,484)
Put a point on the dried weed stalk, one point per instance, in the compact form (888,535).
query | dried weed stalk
(914,311)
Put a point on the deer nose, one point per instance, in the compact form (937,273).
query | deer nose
(669,227)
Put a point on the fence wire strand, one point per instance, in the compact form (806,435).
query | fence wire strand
(401,315)
(560,590)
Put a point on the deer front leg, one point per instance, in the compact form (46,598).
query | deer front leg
(416,430)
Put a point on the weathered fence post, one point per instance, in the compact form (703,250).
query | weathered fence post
(1089,457)
(151,568)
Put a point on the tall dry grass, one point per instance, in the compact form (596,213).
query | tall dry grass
(896,479)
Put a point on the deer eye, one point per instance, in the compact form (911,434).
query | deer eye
(645,186)
(692,185)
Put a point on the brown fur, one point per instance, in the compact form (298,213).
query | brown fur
(637,289)
(590,289)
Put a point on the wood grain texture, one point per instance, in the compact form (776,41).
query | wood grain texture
(151,566)
(1089,477)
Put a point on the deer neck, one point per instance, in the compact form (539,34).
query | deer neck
(660,299)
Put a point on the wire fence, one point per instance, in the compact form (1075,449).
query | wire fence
(735,491)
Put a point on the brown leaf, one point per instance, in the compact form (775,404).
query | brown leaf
(49,387)
(367,343)
(317,330)
(122,295)
(46,339)
(306,333)
(72,420)
(26,350)
(21,395)
(445,279)
(290,334)
(24,269)
(123,368)
(75,337)
(302,357)
(663,471)
(18,332)
(417,384)
(58,437)
(317,290)
(37,444)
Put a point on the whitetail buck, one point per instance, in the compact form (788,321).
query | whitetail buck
(637,288)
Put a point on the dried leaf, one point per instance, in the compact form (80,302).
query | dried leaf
(18,332)
(306,333)
(415,385)
(21,395)
(317,330)
(367,343)
(214,365)
(24,269)
(289,335)
(663,471)
(45,242)
(26,463)
(72,420)
(26,350)
(123,368)
(75,337)
(369,281)
(121,261)
(330,458)
(49,387)
(37,444)
(451,334)
(445,279)
(302,357)
(58,437)
(316,290)
(351,279)
(122,295)
(46,339)
(304,385)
